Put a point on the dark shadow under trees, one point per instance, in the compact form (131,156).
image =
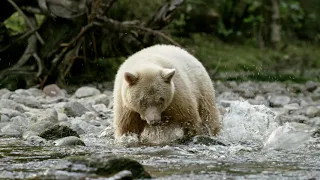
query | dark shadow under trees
(76,38)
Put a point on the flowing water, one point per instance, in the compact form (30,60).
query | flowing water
(257,147)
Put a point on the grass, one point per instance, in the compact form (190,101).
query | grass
(299,62)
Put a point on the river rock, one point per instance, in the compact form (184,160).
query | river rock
(108,166)
(74,109)
(27,134)
(10,104)
(86,91)
(316,94)
(57,131)
(122,175)
(37,141)
(50,115)
(69,141)
(102,99)
(28,101)
(291,106)
(273,88)
(314,121)
(40,126)
(35,92)
(21,121)
(259,100)
(80,125)
(4,118)
(246,89)
(53,90)
(11,130)
(311,86)
(313,111)
(279,100)
(206,140)
(229,96)
(9,112)
(3,91)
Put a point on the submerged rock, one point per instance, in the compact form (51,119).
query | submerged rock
(206,140)
(109,166)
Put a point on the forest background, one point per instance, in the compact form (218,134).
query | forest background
(84,41)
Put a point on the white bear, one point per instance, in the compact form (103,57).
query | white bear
(164,87)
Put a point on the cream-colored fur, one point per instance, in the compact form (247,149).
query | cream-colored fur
(189,97)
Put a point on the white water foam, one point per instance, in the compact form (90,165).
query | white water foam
(242,124)
(246,123)
(289,136)
(256,124)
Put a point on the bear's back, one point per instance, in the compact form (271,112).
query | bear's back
(190,73)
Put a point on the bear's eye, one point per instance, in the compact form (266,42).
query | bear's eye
(161,99)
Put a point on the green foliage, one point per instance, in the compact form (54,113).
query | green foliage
(242,20)
(293,63)
(16,24)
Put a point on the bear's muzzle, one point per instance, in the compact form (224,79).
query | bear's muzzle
(153,116)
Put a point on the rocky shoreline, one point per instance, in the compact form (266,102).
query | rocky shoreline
(36,115)
(54,117)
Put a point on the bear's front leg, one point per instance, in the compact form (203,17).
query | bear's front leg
(128,122)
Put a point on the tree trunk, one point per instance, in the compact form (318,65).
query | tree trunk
(275,27)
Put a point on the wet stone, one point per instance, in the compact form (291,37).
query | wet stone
(206,140)
(58,131)
(69,141)
(108,166)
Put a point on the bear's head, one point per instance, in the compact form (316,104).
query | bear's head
(149,91)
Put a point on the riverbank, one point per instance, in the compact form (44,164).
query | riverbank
(270,129)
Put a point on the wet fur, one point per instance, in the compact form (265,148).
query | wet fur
(193,107)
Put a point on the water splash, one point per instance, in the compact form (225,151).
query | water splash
(289,136)
(246,124)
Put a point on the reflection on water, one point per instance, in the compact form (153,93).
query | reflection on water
(257,148)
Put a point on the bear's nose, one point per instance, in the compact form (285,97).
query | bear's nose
(153,116)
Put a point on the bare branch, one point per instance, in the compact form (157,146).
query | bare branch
(20,38)
(39,62)
(132,25)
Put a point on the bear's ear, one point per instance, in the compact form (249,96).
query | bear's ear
(130,78)
(167,74)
